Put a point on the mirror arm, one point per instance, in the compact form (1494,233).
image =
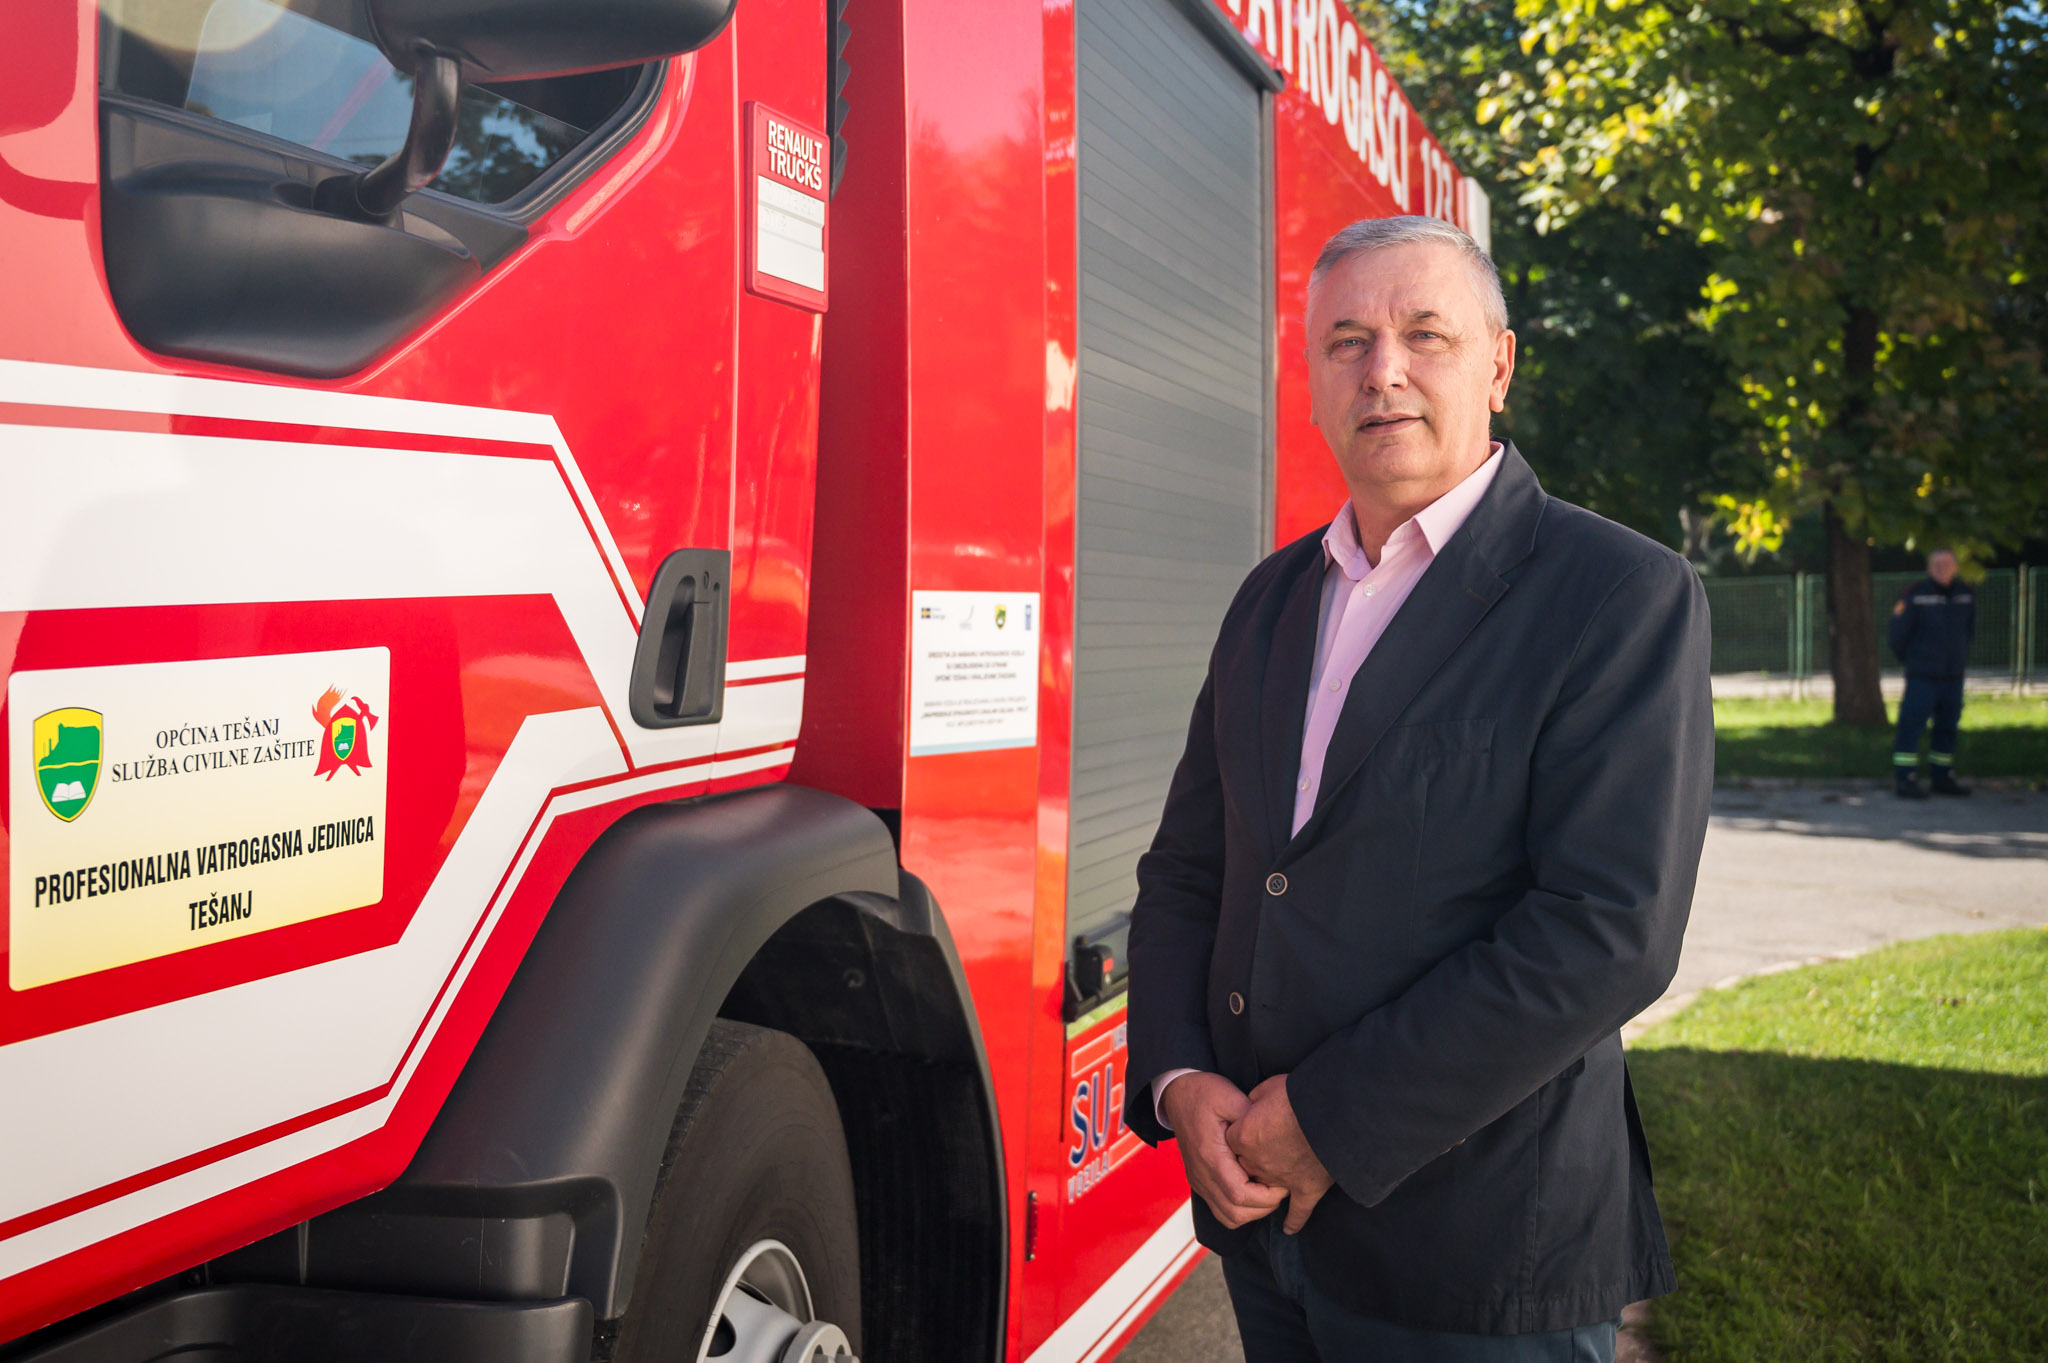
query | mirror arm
(377,192)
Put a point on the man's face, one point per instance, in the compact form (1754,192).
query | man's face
(1942,567)
(1404,370)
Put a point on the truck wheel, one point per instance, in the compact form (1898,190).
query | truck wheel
(752,1252)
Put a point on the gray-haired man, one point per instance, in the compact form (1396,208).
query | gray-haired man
(1432,841)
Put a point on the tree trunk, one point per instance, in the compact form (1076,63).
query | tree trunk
(1852,622)
(1852,626)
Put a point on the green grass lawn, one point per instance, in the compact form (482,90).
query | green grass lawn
(2003,736)
(1852,1159)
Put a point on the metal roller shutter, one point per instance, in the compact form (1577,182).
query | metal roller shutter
(1171,413)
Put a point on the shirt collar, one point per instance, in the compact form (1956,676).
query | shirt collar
(1436,523)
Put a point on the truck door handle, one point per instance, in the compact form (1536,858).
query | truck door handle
(679,666)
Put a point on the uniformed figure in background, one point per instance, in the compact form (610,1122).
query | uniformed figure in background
(1931,629)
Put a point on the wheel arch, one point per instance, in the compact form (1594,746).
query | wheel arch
(536,1179)
(873,985)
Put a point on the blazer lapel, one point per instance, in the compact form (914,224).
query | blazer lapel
(1283,698)
(1454,595)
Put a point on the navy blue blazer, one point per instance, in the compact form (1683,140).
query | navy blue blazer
(1495,878)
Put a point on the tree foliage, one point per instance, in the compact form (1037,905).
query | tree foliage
(1872,179)
(1615,390)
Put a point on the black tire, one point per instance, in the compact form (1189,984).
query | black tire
(757,1154)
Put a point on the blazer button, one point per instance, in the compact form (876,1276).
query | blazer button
(1236,1002)
(1276,884)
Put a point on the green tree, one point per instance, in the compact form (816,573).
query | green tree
(1871,178)
(1614,398)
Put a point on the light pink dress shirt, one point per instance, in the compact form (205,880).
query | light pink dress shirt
(1360,599)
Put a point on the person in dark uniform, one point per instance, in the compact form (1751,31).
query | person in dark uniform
(1932,624)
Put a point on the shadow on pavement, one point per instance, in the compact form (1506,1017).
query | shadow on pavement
(1194,1325)
(1995,824)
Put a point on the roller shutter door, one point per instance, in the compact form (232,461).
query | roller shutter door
(1172,416)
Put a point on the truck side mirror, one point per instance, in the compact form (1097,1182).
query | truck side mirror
(527,39)
(443,42)
(378,191)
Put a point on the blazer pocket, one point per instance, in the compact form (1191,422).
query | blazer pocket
(1381,924)
(1440,738)
(1394,796)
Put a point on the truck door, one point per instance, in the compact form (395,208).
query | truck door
(330,530)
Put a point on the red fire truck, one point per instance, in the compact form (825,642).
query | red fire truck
(598,600)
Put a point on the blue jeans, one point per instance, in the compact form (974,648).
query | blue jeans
(1927,698)
(1282,1318)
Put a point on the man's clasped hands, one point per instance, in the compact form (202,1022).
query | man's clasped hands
(1245,1154)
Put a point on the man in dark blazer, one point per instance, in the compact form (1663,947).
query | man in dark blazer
(1432,842)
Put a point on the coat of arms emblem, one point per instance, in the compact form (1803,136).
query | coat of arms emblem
(67,754)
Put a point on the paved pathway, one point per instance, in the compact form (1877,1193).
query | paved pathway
(1788,875)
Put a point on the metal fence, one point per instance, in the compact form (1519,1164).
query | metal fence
(1778,626)
(2034,611)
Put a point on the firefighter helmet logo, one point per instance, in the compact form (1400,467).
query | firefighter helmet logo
(67,748)
(345,733)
